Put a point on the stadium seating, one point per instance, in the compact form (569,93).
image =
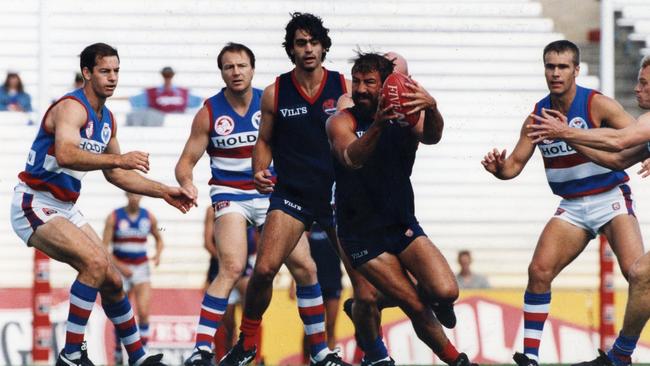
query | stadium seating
(481,59)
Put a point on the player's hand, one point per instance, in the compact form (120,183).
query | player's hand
(645,168)
(550,125)
(137,160)
(494,161)
(126,271)
(156,260)
(190,190)
(263,182)
(384,115)
(179,197)
(420,98)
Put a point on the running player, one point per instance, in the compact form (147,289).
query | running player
(595,199)
(292,134)
(377,227)
(78,134)
(634,139)
(226,127)
(128,228)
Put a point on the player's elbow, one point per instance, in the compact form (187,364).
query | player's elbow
(432,139)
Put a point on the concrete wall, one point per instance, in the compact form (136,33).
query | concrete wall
(574,18)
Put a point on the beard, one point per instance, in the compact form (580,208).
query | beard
(365,103)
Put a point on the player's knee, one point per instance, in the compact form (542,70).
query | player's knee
(264,273)
(231,269)
(305,272)
(96,267)
(365,297)
(639,274)
(540,274)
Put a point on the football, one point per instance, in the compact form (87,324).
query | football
(392,91)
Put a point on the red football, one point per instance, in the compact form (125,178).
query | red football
(393,89)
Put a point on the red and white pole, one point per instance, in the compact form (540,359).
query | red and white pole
(607,311)
(41,303)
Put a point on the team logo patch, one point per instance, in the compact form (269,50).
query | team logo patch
(329,106)
(578,122)
(90,128)
(616,206)
(145,225)
(559,211)
(49,211)
(221,205)
(224,125)
(123,224)
(106,133)
(255,120)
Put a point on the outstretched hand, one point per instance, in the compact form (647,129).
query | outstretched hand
(137,160)
(494,161)
(550,125)
(420,98)
(179,197)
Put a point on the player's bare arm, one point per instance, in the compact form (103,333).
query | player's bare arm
(428,129)
(351,151)
(620,132)
(133,182)
(160,244)
(194,148)
(503,167)
(109,228)
(262,151)
(66,119)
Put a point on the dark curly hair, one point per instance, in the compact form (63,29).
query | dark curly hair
(370,61)
(311,24)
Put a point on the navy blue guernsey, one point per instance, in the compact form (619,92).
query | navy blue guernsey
(301,151)
(380,193)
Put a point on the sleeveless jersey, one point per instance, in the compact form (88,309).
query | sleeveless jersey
(232,138)
(43,173)
(130,237)
(569,173)
(380,193)
(301,151)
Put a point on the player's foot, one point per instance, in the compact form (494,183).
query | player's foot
(199,358)
(118,357)
(445,314)
(388,361)
(153,360)
(523,360)
(462,360)
(601,360)
(62,360)
(332,359)
(237,356)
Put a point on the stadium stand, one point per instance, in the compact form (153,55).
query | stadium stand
(480,59)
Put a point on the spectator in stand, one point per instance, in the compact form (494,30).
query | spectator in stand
(167,98)
(466,278)
(78,81)
(13,96)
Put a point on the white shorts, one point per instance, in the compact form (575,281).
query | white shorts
(254,210)
(31,209)
(593,212)
(140,273)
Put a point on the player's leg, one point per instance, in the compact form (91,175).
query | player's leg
(331,315)
(142,297)
(279,237)
(230,240)
(118,309)
(558,245)
(625,239)
(363,310)
(63,241)
(386,273)
(436,283)
(309,298)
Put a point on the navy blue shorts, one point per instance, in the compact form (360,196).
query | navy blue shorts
(307,214)
(360,248)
